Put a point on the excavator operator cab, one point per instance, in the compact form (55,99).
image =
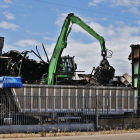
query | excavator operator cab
(66,67)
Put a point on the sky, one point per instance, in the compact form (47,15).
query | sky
(26,24)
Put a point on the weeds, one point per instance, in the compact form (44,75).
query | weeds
(53,134)
(132,125)
(43,133)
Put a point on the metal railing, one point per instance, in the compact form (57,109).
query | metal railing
(64,109)
(106,107)
(46,110)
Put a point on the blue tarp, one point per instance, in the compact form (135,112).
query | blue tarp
(10,82)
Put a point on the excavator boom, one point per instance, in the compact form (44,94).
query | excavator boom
(78,21)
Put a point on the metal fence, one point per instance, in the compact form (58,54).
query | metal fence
(31,110)
(107,108)
(34,110)
(124,114)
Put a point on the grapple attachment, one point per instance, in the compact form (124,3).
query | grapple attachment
(104,72)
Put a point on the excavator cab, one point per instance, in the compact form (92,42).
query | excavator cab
(65,70)
(66,67)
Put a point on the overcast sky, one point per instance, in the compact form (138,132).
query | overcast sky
(29,23)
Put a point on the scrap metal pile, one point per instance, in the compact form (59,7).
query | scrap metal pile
(19,64)
(122,81)
(32,71)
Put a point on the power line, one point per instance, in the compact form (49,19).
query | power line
(130,1)
(85,9)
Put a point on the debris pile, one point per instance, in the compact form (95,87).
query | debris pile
(15,63)
(19,64)
(32,71)
(124,81)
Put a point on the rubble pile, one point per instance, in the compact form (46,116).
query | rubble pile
(124,81)
(19,64)
(31,71)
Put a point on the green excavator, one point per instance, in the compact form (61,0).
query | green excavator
(64,67)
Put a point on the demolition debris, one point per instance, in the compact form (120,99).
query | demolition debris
(14,63)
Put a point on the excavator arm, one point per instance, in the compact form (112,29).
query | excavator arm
(62,43)
(87,28)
